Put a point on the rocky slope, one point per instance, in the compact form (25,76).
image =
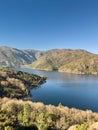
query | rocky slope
(12,57)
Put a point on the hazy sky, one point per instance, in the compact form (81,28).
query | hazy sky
(46,24)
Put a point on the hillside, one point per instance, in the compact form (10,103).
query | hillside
(26,115)
(12,57)
(16,84)
(64,60)
(70,61)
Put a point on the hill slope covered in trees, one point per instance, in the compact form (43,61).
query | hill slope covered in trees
(16,84)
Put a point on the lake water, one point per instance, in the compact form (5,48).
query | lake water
(79,91)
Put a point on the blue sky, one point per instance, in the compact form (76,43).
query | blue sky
(47,24)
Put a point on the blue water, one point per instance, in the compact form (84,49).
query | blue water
(79,91)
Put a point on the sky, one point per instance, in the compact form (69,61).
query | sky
(48,24)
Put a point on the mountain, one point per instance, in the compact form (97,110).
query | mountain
(12,57)
(63,60)
(70,61)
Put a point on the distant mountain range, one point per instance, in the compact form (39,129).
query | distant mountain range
(12,57)
(64,60)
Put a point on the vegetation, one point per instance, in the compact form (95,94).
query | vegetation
(17,114)
(82,127)
(16,84)
(26,115)
(69,61)
(65,60)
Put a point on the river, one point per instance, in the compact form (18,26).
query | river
(78,91)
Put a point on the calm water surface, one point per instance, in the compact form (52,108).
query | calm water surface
(79,91)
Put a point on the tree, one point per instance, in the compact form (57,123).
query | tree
(41,121)
(25,115)
(82,127)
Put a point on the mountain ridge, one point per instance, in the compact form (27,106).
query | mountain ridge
(69,61)
(77,61)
